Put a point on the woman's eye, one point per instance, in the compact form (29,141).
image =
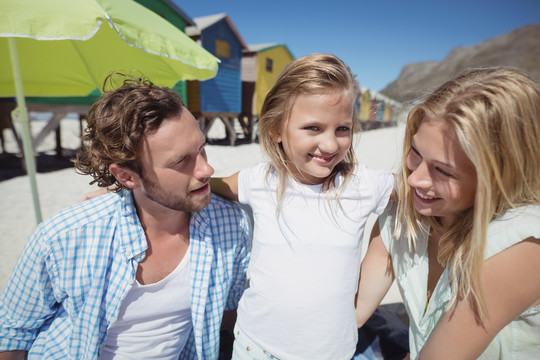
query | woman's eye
(444,172)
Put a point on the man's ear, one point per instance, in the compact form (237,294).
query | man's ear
(127,177)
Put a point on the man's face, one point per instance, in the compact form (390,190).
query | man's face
(175,171)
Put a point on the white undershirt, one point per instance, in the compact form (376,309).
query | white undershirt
(154,321)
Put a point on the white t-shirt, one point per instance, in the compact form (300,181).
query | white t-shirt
(154,321)
(304,267)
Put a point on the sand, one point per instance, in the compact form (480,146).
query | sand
(59,189)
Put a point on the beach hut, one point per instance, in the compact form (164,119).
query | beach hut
(261,65)
(220,97)
(365,104)
(388,109)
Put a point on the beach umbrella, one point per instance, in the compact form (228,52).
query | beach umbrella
(68,47)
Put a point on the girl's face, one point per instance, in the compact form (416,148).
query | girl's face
(442,176)
(317,135)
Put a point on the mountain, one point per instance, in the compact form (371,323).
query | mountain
(519,49)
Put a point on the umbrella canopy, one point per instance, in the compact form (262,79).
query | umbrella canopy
(68,47)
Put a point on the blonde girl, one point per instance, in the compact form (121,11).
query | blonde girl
(463,242)
(310,203)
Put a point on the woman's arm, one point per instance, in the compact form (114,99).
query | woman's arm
(226,187)
(376,277)
(511,286)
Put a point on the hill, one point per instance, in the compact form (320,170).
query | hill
(519,49)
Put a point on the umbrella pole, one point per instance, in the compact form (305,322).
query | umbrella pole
(25,126)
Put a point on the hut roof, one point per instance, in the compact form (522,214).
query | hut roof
(256,48)
(204,22)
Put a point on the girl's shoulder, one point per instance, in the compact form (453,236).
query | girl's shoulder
(378,180)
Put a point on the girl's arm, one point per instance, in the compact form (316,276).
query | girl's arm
(511,286)
(226,186)
(376,277)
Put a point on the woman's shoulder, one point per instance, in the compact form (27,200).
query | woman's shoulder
(512,227)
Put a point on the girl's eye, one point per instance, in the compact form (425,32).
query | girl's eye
(311,128)
(344,129)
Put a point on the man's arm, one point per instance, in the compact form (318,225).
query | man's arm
(27,300)
(13,355)
(510,287)
(376,277)
(226,186)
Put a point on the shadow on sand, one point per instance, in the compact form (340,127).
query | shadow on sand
(12,165)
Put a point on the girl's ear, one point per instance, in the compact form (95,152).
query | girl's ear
(275,135)
(127,177)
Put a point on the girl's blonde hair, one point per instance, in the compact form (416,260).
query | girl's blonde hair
(495,115)
(309,75)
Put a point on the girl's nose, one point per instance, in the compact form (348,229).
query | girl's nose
(329,144)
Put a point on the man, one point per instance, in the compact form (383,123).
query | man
(145,272)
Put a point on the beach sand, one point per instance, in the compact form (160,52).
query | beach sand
(61,188)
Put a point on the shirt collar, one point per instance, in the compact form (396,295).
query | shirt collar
(131,233)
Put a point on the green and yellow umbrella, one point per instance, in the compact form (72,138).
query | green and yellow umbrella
(68,47)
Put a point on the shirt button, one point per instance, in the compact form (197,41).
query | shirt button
(130,281)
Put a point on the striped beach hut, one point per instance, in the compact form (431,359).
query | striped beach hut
(261,65)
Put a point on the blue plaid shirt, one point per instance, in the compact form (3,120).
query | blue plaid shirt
(65,292)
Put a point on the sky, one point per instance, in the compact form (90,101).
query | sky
(376,38)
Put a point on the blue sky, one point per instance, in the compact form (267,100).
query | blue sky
(376,38)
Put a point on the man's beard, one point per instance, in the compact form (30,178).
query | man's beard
(174,201)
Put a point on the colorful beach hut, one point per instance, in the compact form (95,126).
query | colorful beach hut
(261,65)
(365,104)
(221,96)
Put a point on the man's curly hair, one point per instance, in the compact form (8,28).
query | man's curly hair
(117,123)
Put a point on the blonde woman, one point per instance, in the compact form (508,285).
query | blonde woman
(463,242)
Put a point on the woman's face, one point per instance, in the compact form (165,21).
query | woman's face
(442,177)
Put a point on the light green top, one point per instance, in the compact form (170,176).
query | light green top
(518,340)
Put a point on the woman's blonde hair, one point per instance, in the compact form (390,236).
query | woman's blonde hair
(495,115)
(309,75)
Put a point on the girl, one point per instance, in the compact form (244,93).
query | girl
(463,241)
(310,204)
